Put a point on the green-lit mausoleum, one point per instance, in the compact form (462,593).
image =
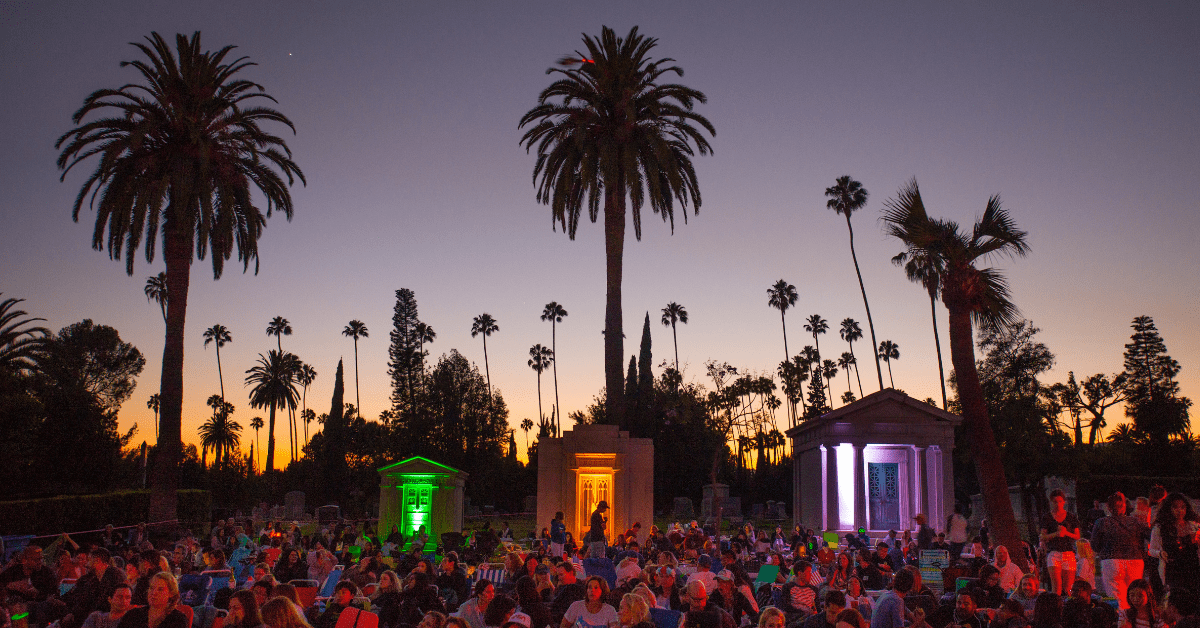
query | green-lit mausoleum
(420,492)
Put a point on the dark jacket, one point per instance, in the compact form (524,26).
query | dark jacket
(1120,537)
(140,618)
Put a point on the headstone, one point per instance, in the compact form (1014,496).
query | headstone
(683,509)
(293,503)
(777,511)
(706,504)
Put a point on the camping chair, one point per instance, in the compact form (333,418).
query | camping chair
(766,575)
(355,618)
(193,591)
(187,613)
(331,581)
(602,567)
(665,617)
(220,580)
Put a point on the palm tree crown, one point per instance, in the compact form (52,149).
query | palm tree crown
(179,154)
(674,313)
(781,296)
(846,197)
(220,335)
(889,351)
(19,342)
(274,387)
(851,333)
(540,359)
(156,291)
(554,313)
(968,293)
(608,129)
(278,327)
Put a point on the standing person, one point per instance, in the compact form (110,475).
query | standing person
(558,535)
(956,532)
(1119,540)
(924,533)
(1060,530)
(597,545)
(1175,541)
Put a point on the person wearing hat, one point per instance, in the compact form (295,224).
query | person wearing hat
(730,599)
(598,545)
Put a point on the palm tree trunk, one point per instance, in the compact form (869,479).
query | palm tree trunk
(783,321)
(271,440)
(357,396)
(486,370)
(938,344)
(557,407)
(863,288)
(614,341)
(540,416)
(177,253)
(220,377)
(891,382)
(989,468)
(676,339)
(856,373)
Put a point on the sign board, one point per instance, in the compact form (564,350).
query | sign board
(932,564)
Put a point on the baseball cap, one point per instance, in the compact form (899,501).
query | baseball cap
(725,575)
(520,618)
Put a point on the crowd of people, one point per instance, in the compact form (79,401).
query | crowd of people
(1144,554)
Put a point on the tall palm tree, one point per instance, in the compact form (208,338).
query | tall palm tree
(968,293)
(153,403)
(781,296)
(923,268)
(846,362)
(356,329)
(608,131)
(220,433)
(257,424)
(274,386)
(279,326)
(20,343)
(540,359)
(674,313)
(554,313)
(305,377)
(889,351)
(846,197)
(829,370)
(220,335)
(308,416)
(851,332)
(156,291)
(526,425)
(816,326)
(178,155)
(486,325)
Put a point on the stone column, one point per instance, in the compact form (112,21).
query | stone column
(920,484)
(860,488)
(833,516)
(947,486)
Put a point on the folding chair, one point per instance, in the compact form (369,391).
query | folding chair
(665,617)
(602,567)
(766,575)
(355,618)
(193,590)
(187,612)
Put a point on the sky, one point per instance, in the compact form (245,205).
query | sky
(1082,117)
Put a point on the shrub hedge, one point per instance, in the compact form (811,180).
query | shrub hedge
(73,513)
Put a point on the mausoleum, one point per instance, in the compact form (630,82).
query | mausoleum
(591,463)
(419,491)
(875,464)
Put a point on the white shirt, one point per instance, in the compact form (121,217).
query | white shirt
(1010,576)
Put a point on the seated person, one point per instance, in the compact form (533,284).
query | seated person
(987,590)
(964,612)
(799,596)
(881,559)
(1080,611)
(1011,614)
(835,603)
(343,594)
(870,575)
(1026,593)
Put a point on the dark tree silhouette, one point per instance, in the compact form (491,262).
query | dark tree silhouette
(179,155)
(608,131)
(554,313)
(846,197)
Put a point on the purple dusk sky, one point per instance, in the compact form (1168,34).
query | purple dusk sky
(1082,116)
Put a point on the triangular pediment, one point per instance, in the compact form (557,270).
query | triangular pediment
(418,466)
(886,406)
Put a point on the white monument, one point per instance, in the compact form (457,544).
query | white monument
(874,464)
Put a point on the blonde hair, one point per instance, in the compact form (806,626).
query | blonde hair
(172,585)
(395,586)
(637,604)
(768,613)
(646,594)
(281,612)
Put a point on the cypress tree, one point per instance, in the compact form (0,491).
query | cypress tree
(406,361)
(631,389)
(334,468)
(1154,403)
